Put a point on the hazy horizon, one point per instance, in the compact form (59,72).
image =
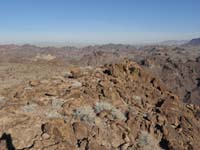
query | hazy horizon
(90,22)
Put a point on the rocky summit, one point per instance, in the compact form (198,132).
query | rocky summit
(116,106)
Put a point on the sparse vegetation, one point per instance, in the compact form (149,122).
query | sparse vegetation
(137,98)
(54,114)
(134,71)
(116,113)
(57,103)
(85,113)
(29,108)
(147,142)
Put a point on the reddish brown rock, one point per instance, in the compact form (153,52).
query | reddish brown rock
(117,106)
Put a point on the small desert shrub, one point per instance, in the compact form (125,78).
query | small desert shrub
(137,98)
(116,113)
(31,108)
(2,99)
(137,72)
(57,103)
(134,71)
(54,114)
(147,142)
(85,113)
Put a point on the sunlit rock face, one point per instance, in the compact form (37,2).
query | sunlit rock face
(116,106)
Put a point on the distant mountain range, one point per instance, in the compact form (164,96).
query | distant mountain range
(188,43)
(193,42)
(174,42)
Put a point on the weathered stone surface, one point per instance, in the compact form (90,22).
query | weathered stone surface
(80,130)
(117,106)
(34,83)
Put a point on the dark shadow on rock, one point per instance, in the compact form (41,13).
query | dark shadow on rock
(8,139)
(198,82)
(187,97)
(164,144)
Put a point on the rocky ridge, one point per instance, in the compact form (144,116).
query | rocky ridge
(178,68)
(117,106)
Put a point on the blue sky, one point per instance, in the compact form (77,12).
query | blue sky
(98,21)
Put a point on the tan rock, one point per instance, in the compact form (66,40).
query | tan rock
(45,136)
(81,130)
(34,83)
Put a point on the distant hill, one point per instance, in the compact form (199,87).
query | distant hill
(174,42)
(193,42)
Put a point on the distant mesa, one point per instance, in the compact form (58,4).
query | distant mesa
(193,42)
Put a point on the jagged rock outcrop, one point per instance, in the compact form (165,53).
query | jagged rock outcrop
(117,106)
(178,68)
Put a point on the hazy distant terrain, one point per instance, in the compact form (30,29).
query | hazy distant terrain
(174,42)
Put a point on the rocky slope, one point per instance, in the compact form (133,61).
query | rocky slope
(117,106)
(178,68)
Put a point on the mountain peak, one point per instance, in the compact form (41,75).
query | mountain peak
(193,42)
